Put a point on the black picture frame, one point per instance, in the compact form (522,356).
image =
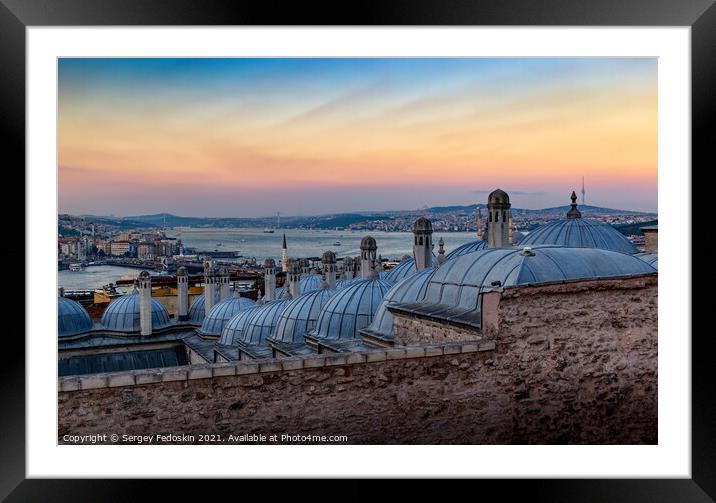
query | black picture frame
(17,15)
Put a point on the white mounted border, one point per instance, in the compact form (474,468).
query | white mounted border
(670,458)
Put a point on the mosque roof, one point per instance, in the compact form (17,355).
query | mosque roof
(300,315)
(262,322)
(197,310)
(233,328)
(72,318)
(222,312)
(650,258)
(310,283)
(470,247)
(579,233)
(122,314)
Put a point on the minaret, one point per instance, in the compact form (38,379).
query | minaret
(144,285)
(182,294)
(479,224)
(329,268)
(368,248)
(348,268)
(573,211)
(209,286)
(284,255)
(441,252)
(294,278)
(498,219)
(269,278)
(423,243)
(224,289)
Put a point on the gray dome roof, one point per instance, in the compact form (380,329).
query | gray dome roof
(410,289)
(368,243)
(278,292)
(122,314)
(404,269)
(467,248)
(233,328)
(579,233)
(423,225)
(222,312)
(344,283)
(197,310)
(498,196)
(350,310)
(300,315)
(72,318)
(310,283)
(458,283)
(262,322)
(650,258)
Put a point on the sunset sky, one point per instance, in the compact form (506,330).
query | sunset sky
(252,137)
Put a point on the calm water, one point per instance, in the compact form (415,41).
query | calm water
(303,243)
(256,243)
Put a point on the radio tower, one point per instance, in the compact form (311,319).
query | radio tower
(583,203)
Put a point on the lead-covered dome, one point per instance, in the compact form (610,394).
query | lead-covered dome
(453,292)
(310,283)
(470,247)
(405,268)
(221,313)
(197,310)
(122,314)
(72,318)
(650,258)
(579,233)
(350,310)
(262,322)
(300,315)
(231,334)
(410,289)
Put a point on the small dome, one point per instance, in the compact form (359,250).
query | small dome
(72,318)
(262,322)
(122,314)
(344,283)
(233,328)
(310,283)
(328,257)
(300,315)
(579,233)
(368,243)
(269,263)
(498,196)
(423,226)
(221,313)
(350,310)
(467,248)
(404,269)
(650,258)
(197,310)
(278,292)
(410,289)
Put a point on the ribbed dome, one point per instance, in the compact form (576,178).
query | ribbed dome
(278,293)
(350,310)
(122,314)
(457,284)
(344,283)
(404,269)
(197,310)
(650,258)
(300,315)
(72,318)
(467,248)
(410,289)
(233,328)
(262,322)
(222,312)
(310,283)
(579,233)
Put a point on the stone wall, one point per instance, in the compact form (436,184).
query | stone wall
(411,330)
(569,363)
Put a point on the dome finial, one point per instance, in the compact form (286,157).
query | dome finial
(573,211)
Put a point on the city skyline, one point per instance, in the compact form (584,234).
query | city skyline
(252,137)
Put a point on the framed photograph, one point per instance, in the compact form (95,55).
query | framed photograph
(421,242)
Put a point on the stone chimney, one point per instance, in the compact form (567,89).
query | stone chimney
(294,278)
(441,252)
(348,268)
(144,286)
(209,286)
(423,243)
(329,268)
(499,219)
(224,290)
(182,294)
(368,248)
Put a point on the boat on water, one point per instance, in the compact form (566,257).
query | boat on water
(268,230)
(75,267)
(336,243)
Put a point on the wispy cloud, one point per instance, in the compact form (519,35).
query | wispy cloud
(516,192)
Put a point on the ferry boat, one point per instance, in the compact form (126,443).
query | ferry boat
(268,230)
(75,267)
(336,243)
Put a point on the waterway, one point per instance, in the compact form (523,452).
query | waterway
(94,276)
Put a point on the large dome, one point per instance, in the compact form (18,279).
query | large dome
(300,315)
(350,310)
(650,258)
(233,328)
(410,289)
(470,247)
(222,312)
(345,283)
(197,310)
(310,283)
(122,314)
(405,268)
(579,233)
(262,322)
(278,293)
(72,318)
(454,290)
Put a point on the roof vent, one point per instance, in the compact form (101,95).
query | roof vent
(527,252)
(496,283)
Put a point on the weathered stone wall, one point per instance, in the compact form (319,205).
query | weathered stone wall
(411,330)
(571,364)
(651,239)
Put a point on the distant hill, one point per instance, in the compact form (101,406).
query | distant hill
(629,229)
